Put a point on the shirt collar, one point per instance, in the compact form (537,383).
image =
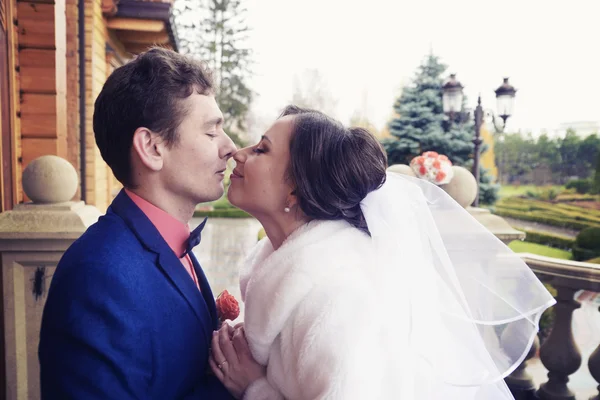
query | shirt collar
(173,231)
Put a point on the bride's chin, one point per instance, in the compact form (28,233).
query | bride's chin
(232,198)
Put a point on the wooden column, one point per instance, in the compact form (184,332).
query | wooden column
(43,78)
(95,76)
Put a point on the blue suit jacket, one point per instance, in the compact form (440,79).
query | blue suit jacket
(123,320)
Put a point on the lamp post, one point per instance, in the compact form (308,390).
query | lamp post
(452,103)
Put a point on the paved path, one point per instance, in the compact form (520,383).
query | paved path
(536,226)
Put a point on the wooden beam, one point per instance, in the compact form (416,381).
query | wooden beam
(39,126)
(133,24)
(37,147)
(143,37)
(37,58)
(38,80)
(38,104)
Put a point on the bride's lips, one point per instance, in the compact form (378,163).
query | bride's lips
(236,175)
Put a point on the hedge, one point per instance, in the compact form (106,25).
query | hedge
(558,242)
(544,219)
(555,214)
(577,197)
(223,213)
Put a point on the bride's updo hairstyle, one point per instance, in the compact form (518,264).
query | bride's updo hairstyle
(333,167)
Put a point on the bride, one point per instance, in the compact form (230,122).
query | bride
(369,285)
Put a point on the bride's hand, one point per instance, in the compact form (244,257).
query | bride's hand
(231,360)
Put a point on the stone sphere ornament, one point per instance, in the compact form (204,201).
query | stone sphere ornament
(463,186)
(50,179)
(402,169)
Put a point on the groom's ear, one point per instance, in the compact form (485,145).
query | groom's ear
(149,148)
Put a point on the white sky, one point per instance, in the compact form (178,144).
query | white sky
(549,49)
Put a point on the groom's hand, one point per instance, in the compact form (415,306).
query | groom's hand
(232,361)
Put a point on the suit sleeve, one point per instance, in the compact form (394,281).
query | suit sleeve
(211,388)
(93,341)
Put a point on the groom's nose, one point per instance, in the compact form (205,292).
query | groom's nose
(228,148)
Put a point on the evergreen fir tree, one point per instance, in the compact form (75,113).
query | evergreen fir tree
(215,32)
(421,125)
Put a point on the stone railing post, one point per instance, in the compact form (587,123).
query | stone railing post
(520,381)
(33,238)
(594,367)
(559,353)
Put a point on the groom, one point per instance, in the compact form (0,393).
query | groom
(130,314)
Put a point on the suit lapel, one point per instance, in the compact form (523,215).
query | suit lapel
(207,293)
(168,262)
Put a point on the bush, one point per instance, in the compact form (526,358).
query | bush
(581,254)
(558,242)
(587,244)
(222,204)
(582,186)
(224,213)
(589,239)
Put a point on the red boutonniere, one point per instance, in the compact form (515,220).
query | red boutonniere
(227,306)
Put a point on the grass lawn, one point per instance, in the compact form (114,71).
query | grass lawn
(513,190)
(525,247)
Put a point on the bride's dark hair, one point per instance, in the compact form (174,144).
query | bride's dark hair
(333,167)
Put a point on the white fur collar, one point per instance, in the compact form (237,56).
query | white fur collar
(273,283)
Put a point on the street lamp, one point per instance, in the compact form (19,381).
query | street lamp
(452,96)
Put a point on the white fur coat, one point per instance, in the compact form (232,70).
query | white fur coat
(311,316)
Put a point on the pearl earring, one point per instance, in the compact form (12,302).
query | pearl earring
(287,209)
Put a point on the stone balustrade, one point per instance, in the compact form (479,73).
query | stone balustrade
(559,352)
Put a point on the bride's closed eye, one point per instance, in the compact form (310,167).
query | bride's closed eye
(259,151)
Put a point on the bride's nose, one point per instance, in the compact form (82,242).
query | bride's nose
(240,155)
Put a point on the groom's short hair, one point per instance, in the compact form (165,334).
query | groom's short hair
(146,92)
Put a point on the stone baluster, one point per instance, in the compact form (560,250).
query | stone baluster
(520,381)
(559,353)
(594,366)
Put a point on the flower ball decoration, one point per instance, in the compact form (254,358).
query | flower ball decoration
(433,167)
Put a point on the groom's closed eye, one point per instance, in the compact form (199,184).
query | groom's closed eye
(212,123)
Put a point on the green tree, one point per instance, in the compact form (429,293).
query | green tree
(586,156)
(422,126)
(569,152)
(596,183)
(516,155)
(219,39)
